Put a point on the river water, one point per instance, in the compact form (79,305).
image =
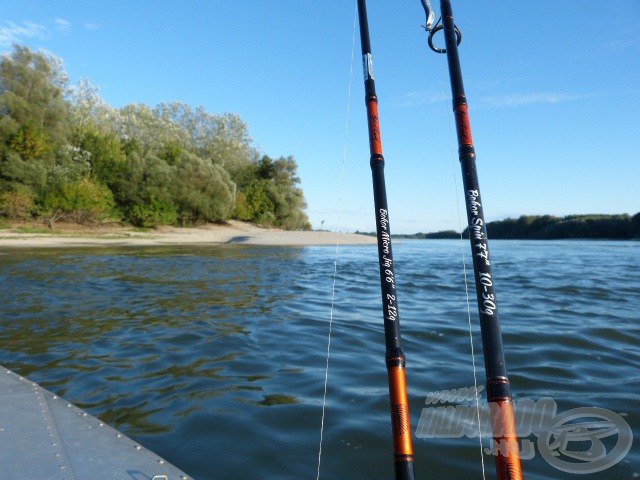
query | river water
(214,357)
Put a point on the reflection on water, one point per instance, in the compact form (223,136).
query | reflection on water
(183,348)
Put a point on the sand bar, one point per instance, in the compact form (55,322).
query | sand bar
(233,232)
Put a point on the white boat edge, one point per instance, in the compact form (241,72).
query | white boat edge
(44,437)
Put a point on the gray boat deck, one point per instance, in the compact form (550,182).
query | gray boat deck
(43,437)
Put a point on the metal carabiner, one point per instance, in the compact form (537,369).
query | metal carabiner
(432,30)
(431,14)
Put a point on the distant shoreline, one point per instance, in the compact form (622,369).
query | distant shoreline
(33,234)
(232,233)
(548,227)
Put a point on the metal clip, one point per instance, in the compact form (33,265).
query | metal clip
(431,14)
(430,27)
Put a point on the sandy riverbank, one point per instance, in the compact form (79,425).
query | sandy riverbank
(234,232)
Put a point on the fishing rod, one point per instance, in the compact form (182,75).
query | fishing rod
(395,359)
(498,387)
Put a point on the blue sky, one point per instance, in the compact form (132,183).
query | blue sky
(553,89)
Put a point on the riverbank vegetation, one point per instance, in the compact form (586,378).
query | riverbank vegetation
(547,227)
(65,154)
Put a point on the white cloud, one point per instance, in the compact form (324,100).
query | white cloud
(14,33)
(522,99)
(417,99)
(62,25)
(91,26)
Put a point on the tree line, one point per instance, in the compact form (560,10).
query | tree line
(66,154)
(548,227)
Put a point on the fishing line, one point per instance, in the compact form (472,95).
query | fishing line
(335,263)
(464,266)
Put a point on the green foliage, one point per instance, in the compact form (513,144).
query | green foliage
(73,164)
(257,204)
(635,226)
(152,213)
(145,191)
(80,201)
(105,155)
(444,234)
(87,202)
(66,154)
(150,130)
(170,153)
(573,226)
(31,142)
(88,111)
(202,190)
(222,139)
(269,194)
(17,205)
(16,173)
(32,101)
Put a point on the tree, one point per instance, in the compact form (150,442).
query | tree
(635,226)
(64,152)
(17,173)
(269,194)
(106,155)
(33,120)
(255,203)
(85,202)
(33,86)
(202,191)
(142,190)
(17,204)
(150,130)
(89,111)
(31,142)
(571,226)
(222,139)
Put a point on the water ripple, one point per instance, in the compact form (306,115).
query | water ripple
(201,351)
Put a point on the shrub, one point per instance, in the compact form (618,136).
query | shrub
(83,202)
(202,191)
(17,204)
(153,213)
(88,202)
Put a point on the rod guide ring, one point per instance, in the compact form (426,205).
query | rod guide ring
(436,29)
